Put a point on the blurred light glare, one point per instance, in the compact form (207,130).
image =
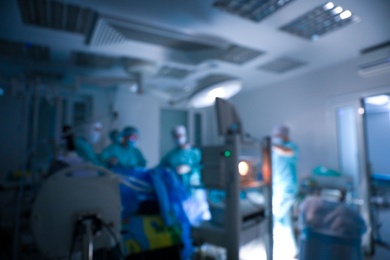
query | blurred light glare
(346,14)
(328,6)
(337,10)
(243,168)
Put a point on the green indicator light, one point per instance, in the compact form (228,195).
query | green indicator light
(227,153)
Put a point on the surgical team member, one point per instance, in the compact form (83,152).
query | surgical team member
(183,159)
(90,136)
(125,155)
(284,190)
(115,138)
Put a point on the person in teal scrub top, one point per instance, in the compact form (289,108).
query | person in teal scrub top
(84,142)
(126,154)
(284,190)
(183,159)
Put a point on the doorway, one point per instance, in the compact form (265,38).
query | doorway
(168,119)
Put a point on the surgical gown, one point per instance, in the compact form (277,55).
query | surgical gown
(284,190)
(85,151)
(190,157)
(128,157)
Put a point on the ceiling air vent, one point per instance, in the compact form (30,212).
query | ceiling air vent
(239,55)
(281,65)
(27,51)
(375,60)
(57,15)
(255,10)
(93,61)
(109,30)
(172,72)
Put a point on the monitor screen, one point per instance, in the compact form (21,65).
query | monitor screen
(227,118)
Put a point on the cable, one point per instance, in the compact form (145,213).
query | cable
(109,229)
(76,232)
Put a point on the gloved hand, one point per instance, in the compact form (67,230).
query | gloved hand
(183,169)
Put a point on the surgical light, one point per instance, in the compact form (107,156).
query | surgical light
(377,100)
(243,168)
(212,87)
(346,14)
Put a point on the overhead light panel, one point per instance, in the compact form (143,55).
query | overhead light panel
(213,86)
(255,10)
(319,21)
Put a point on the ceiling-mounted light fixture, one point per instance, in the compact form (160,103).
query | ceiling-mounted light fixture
(214,86)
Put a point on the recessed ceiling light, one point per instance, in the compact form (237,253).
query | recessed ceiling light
(319,21)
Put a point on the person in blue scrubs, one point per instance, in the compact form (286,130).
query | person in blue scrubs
(126,154)
(183,159)
(83,143)
(284,191)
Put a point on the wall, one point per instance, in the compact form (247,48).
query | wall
(378,137)
(143,112)
(301,103)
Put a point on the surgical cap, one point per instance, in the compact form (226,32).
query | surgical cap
(280,130)
(179,130)
(129,131)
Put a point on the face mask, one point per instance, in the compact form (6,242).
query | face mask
(181,140)
(131,143)
(277,140)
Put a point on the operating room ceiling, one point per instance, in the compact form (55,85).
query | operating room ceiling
(174,43)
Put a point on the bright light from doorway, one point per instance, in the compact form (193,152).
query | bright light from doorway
(377,100)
